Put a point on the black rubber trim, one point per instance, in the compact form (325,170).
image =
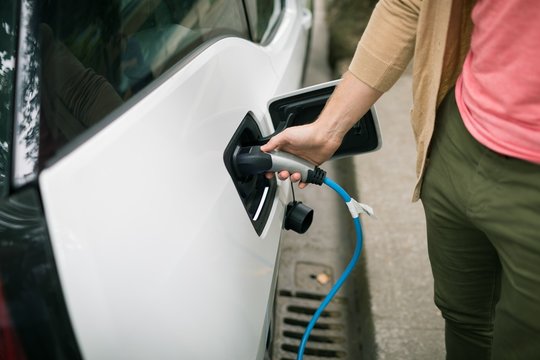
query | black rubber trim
(316,176)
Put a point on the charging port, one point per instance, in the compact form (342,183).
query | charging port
(255,191)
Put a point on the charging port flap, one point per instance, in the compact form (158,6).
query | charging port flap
(304,106)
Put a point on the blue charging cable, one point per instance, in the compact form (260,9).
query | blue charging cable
(357,250)
(251,160)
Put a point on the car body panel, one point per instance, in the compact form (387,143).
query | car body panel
(155,253)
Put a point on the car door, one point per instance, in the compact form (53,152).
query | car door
(165,254)
(156,254)
(151,240)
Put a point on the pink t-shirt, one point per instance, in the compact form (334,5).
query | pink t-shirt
(498,91)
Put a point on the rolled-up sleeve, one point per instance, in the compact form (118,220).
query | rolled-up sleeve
(387,45)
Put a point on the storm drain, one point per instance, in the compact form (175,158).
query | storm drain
(331,336)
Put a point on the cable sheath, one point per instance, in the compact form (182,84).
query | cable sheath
(352,263)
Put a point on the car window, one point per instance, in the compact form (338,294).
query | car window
(96,54)
(7,74)
(263,17)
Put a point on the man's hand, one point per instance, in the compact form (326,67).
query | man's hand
(311,142)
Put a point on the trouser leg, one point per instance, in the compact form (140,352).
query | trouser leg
(466,272)
(509,214)
(483,222)
(464,263)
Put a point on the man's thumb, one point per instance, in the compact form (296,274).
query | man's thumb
(271,145)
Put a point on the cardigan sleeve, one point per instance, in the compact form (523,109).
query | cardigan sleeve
(387,45)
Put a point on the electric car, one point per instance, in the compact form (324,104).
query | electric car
(125,230)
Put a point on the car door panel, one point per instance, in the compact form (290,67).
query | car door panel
(288,48)
(145,212)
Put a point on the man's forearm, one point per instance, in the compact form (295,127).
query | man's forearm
(350,101)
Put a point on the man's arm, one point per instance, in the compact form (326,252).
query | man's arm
(382,55)
(387,45)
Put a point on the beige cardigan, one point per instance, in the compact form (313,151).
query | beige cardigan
(437,34)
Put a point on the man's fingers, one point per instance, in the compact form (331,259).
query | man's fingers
(283,175)
(296,177)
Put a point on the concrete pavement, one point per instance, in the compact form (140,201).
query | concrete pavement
(407,325)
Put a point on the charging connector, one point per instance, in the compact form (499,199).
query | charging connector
(251,160)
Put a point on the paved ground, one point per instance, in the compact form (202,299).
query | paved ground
(390,312)
(407,324)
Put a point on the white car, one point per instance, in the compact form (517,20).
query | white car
(125,232)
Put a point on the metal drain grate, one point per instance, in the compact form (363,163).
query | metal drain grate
(328,339)
(308,267)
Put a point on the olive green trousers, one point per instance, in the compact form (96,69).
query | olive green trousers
(483,225)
